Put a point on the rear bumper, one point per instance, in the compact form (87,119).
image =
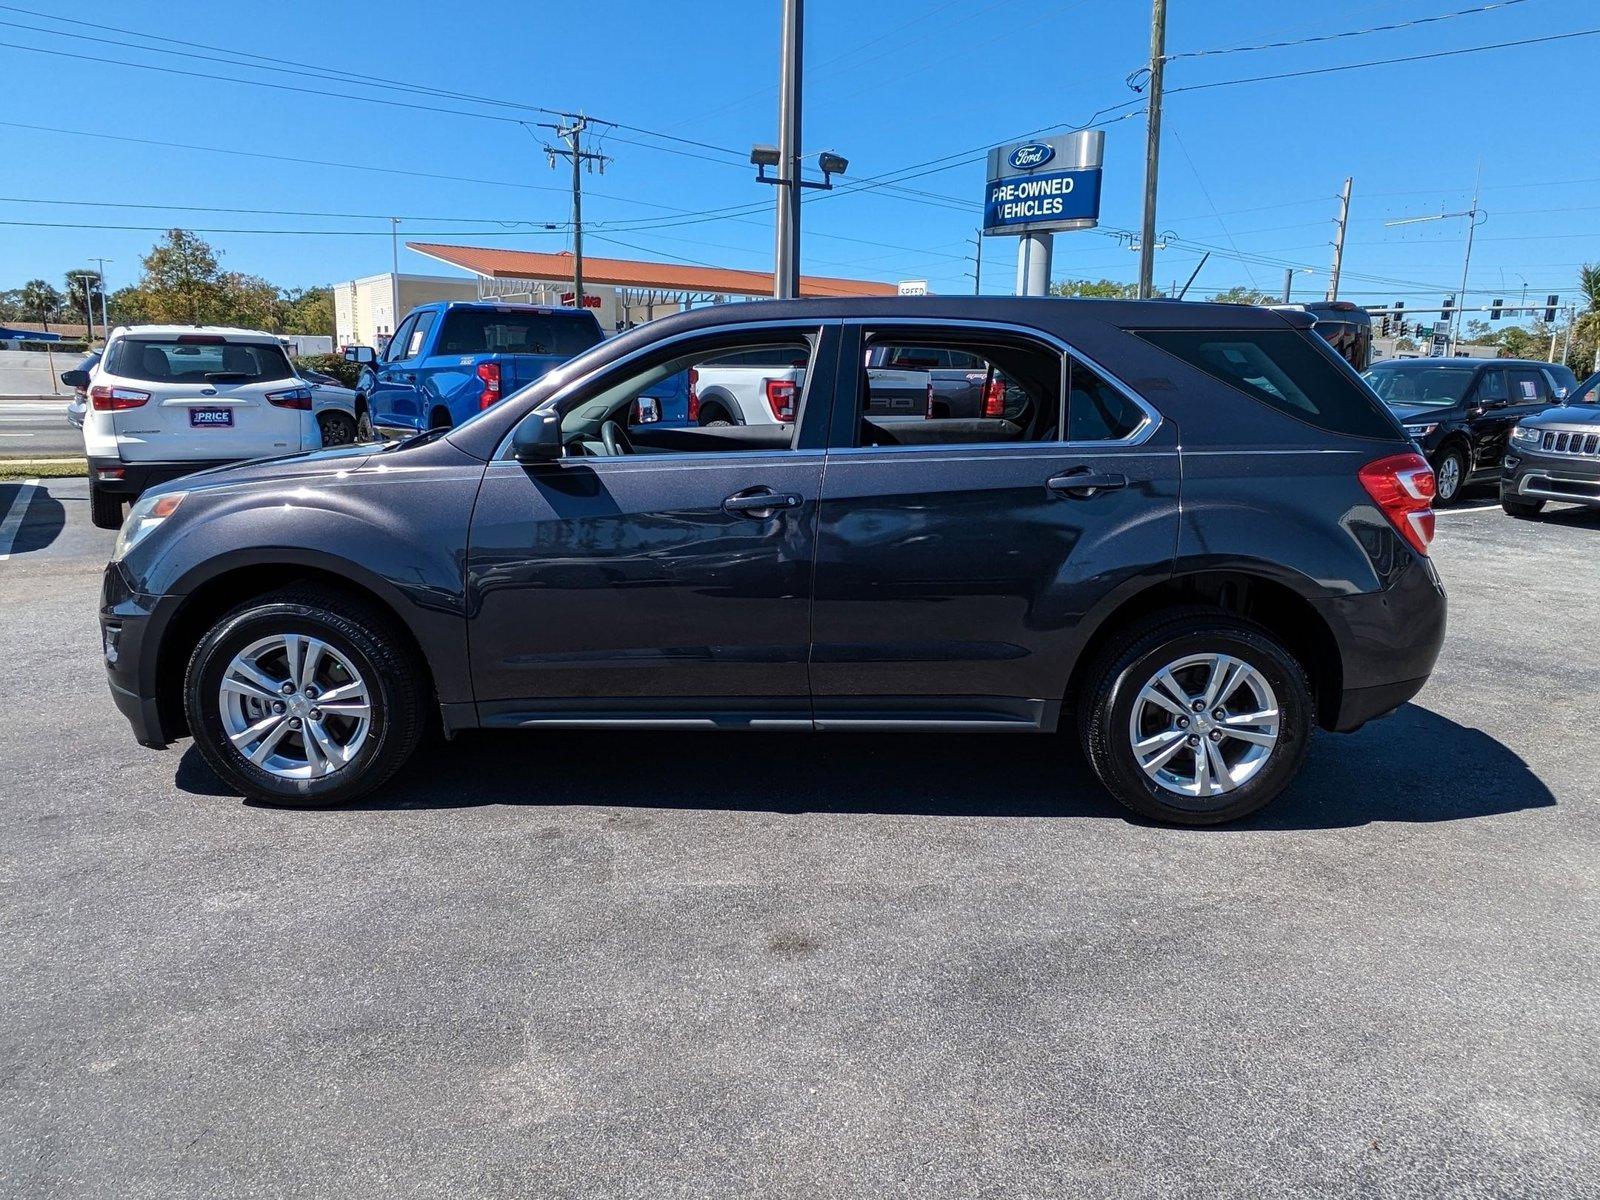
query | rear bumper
(1567,478)
(1388,643)
(130,631)
(131,479)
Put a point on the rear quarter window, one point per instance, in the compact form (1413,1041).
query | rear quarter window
(1283,369)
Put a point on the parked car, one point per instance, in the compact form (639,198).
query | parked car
(169,400)
(1554,455)
(78,405)
(964,384)
(1343,325)
(447,361)
(1460,411)
(334,406)
(760,387)
(1191,609)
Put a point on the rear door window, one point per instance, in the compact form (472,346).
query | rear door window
(1283,369)
(187,359)
(508,331)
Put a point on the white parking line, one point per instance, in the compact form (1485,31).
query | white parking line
(13,521)
(1442,512)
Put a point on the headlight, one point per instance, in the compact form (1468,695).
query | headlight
(1526,436)
(1417,431)
(147,513)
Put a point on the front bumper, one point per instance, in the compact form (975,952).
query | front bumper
(130,629)
(1538,475)
(133,479)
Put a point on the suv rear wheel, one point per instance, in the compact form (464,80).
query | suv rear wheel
(304,698)
(1196,717)
(105,508)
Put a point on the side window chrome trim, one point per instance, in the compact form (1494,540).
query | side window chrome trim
(807,329)
(1141,434)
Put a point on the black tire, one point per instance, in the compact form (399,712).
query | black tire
(361,632)
(440,419)
(1133,658)
(337,428)
(1517,506)
(364,430)
(1456,454)
(105,508)
(713,417)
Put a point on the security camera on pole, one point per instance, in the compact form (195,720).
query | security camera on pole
(1038,188)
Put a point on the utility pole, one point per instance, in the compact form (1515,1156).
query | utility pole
(1152,146)
(572,134)
(1338,241)
(977,263)
(394,274)
(105,316)
(1288,283)
(786,257)
(86,280)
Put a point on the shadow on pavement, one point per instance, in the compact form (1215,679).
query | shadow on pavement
(42,522)
(1387,772)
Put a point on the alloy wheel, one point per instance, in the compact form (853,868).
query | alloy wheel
(1204,725)
(1449,480)
(295,706)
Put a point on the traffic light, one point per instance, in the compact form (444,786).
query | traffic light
(1446,308)
(1383,324)
(1550,303)
(1494,308)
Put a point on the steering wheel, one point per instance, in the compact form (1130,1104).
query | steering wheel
(615,439)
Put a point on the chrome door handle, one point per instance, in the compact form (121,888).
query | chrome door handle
(759,503)
(1081,485)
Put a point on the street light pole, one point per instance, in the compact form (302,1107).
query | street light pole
(1475,217)
(786,256)
(1152,147)
(105,315)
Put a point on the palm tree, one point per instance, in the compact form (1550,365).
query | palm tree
(39,299)
(1587,325)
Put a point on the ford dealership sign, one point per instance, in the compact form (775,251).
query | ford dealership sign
(1031,155)
(1045,185)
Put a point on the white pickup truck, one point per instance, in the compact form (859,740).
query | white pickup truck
(762,387)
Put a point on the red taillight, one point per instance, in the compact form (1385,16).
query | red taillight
(780,398)
(1402,485)
(994,399)
(299,398)
(114,399)
(489,376)
(694,396)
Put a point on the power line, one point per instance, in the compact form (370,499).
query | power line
(277,212)
(1333,37)
(1385,62)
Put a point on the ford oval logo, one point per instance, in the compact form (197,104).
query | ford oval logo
(1034,154)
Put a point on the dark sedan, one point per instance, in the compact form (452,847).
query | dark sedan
(1460,411)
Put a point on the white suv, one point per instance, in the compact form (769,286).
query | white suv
(168,400)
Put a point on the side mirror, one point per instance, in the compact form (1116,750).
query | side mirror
(75,379)
(363,356)
(537,439)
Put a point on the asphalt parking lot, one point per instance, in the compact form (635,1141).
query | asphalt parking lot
(680,965)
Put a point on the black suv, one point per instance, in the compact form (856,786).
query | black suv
(1460,411)
(1199,538)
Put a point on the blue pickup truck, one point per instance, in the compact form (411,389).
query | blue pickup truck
(449,360)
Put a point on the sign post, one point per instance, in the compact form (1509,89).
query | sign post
(1036,189)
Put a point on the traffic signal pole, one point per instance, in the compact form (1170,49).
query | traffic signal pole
(1152,148)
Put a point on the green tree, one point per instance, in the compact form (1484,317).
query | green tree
(1094,289)
(40,301)
(308,311)
(1585,352)
(181,280)
(83,294)
(1243,295)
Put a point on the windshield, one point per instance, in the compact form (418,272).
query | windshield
(1425,387)
(496,331)
(190,358)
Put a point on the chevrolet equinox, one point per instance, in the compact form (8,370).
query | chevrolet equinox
(1193,537)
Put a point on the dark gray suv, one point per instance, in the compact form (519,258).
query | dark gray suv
(1194,537)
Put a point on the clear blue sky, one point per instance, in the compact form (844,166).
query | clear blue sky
(1252,169)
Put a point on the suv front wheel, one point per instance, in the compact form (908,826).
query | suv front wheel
(1196,717)
(306,697)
